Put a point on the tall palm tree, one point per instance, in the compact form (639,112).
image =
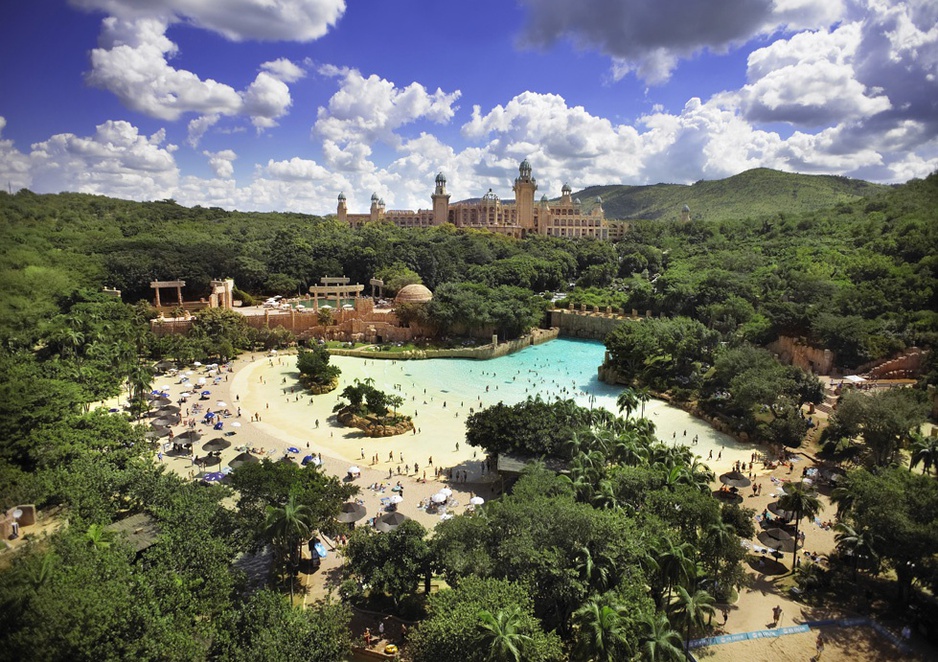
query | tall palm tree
(856,543)
(690,610)
(287,528)
(803,502)
(500,634)
(924,452)
(644,395)
(627,401)
(659,642)
(675,563)
(601,633)
(597,570)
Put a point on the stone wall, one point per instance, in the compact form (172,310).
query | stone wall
(490,351)
(592,323)
(795,351)
(908,365)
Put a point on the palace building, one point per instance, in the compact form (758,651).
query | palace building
(519,218)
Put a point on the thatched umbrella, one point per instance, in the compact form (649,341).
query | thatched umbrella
(390,521)
(778,511)
(156,433)
(169,409)
(351,512)
(735,479)
(208,461)
(777,539)
(242,458)
(216,444)
(189,436)
(163,422)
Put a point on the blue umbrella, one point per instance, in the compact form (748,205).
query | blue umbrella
(206,392)
(213,477)
(307,460)
(293,449)
(320,549)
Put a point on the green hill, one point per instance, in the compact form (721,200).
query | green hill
(750,194)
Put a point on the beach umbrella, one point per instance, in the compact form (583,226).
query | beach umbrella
(208,461)
(307,460)
(216,444)
(236,424)
(777,510)
(164,365)
(390,521)
(354,470)
(201,381)
(163,422)
(735,479)
(439,497)
(189,373)
(189,436)
(476,501)
(157,433)
(396,499)
(162,401)
(197,364)
(243,458)
(213,477)
(351,512)
(777,539)
(169,409)
(293,449)
(445,491)
(221,403)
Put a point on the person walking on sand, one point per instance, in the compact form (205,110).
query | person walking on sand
(776,615)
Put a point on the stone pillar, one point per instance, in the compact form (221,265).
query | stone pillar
(157,290)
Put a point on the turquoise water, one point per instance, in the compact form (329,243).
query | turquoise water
(565,368)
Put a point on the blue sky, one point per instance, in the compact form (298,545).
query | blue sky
(282,104)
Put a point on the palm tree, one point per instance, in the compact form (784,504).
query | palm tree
(803,502)
(98,536)
(924,452)
(500,634)
(627,401)
(598,571)
(287,528)
(690,610)
(644,395)
(675,563)
(855,543)
(659,642)
(601,633)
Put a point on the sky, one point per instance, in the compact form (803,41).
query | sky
(280,105)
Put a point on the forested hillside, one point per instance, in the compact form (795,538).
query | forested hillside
(750,194)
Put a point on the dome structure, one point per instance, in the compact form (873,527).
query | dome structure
(341,196)
(440,178)
(566,188)
(413,294)
(374,197)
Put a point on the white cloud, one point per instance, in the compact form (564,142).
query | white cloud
(132,61)
(283,69)
(273,20)
(199,126)
(221,162)
(14,165)
(809,80)
(650,38)
(117,160)
(372,109)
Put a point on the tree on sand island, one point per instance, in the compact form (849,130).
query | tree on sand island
(371,410)
(316,373)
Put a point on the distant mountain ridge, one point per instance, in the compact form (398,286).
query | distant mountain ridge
(753,193)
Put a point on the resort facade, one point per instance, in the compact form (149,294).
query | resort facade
(519,218)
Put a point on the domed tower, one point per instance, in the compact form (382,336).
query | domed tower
(524,189)
(565,192)
(375,207)
(341,211)
(598,207)
(440,201)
